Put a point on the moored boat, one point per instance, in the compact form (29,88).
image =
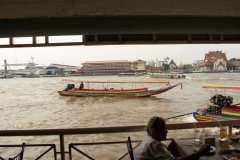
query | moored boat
(71,90)
(221,107)
(167,76)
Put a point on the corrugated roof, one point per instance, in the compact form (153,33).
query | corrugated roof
(139,60)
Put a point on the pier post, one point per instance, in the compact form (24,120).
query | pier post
(5,67)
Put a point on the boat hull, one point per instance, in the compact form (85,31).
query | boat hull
(227,113)
(142,92)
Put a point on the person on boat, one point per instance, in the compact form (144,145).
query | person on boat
(81,86)
(152,148)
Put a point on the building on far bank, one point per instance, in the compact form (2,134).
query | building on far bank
(151,69)
(172,65)
(237,64)
(161,63)
(112,66)
(139,65)
(214,60)
(157,63)
(106,66)
(59,69)
(196,63)
(150,63)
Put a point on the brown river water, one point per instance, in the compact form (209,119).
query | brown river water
(33,103)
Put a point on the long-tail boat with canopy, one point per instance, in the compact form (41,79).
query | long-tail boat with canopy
(221,107)
(123,90)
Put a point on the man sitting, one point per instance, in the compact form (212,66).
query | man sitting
(152,147)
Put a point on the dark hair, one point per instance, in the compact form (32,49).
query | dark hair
(153,123)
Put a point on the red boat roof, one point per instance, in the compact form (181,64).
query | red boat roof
(125,82)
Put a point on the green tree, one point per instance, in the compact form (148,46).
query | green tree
(211,67)
(230,67)
(187,67)
(233,60)
(166,67)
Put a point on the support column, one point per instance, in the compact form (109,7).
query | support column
(189,38)
(119,38)
(96,38)
(34,40)
(46,40)
(154,37)
(62,147)
(11,41)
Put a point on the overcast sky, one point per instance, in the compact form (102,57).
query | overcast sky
(75,55)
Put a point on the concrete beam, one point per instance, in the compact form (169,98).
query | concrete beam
(118,25)
(74,8)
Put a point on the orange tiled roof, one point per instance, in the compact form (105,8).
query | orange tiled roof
(212,55)
(236,63)
(204,64)
(109,61)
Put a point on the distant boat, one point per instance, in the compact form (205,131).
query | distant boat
(7,76)
(197,72)
(129,74)
(71,90)
(167,76)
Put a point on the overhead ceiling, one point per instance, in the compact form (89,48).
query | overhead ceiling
(121,21)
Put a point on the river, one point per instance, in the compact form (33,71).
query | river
(33,103)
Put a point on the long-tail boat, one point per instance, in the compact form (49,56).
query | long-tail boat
(71,90)
(221,107)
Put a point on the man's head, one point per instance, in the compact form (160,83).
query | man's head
(156,128)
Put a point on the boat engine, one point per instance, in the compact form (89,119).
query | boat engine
(70,86)
(221,100)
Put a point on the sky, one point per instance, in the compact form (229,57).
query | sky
(75,55)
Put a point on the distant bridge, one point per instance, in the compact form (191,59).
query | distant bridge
(19,64)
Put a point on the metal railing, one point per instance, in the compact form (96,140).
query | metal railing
(52,147)
(100,130)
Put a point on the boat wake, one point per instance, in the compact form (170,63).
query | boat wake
(190,77)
